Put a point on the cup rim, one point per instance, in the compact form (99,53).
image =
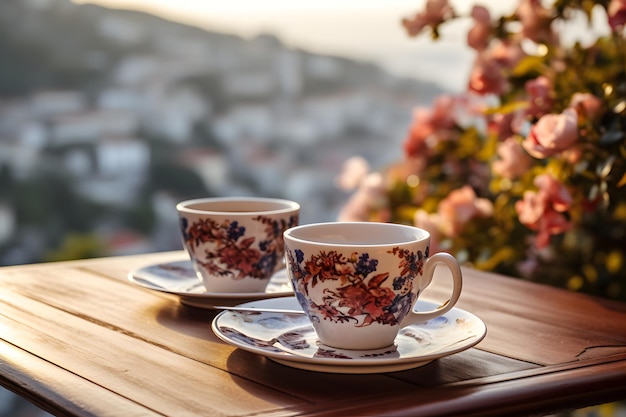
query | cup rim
(423,234)
(283,205)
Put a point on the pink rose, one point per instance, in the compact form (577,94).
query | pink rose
(415,144)
(552,134)
(513,162)
(487,77)
(555,192)
(442,116)
(426,122)
(536,21)
(587,104)
(369,197)
(435,12)
(459,207)
(617,13)
(573,155)
(353,172)
(542,210)
(539,95)
(506,53)
(501,125)
(478,35)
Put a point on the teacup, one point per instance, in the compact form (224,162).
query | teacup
(236,243)
(358,282)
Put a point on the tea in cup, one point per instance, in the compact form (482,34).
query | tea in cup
(236,243)
(358,282)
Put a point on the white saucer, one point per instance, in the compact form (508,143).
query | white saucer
(290,339)
(179,278)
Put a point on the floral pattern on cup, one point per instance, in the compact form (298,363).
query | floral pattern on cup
(361,296)
(232,254)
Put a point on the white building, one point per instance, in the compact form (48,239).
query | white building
(47,104)
(89,127)
(173,112)
(122,157)
(253,123)
(121,165)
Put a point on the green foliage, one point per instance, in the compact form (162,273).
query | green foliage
(77,246)
(535,185)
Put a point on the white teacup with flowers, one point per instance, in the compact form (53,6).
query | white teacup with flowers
(236,243)
(358,282)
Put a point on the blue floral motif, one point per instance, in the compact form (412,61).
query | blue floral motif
(232,254)
(184,223)
(365,265)
(362,291)
(235,231)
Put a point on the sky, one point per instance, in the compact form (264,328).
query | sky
(367,30)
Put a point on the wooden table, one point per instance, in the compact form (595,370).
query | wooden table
(77,338)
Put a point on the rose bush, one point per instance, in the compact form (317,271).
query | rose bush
(524,173)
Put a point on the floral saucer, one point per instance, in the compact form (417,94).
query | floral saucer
(179,278)
(289,339)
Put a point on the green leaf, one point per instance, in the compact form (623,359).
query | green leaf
(508,108)
(529,66)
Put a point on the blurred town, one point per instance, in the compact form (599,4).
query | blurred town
(109,117)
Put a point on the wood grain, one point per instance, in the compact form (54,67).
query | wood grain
(77,338)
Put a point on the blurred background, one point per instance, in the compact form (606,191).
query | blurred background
(111,111)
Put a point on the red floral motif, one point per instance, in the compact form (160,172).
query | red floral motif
(362,296)
(233,254)
(365,298)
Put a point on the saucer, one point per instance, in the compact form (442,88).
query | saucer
(179,278)
(289,339)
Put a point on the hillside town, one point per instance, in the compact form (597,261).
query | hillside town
(181,114)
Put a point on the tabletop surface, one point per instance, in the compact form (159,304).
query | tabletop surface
(78,338)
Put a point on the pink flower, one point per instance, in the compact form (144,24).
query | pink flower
(420,129)
(488,72)
(552,134)
(459,207)
(501,125)
(427,122)
(370,196)
(353,172)
(513,160)
(540,96)
(573,155)
(442,116)
(587,104)
(506,53)
(542,210)
(486,77)
(435,12)
(536,21)
(478,35)
(555,192)
(617,13)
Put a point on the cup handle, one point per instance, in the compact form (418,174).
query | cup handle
(429,269)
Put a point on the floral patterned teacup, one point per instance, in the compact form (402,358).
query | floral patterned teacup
(359,282)
(236,243)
